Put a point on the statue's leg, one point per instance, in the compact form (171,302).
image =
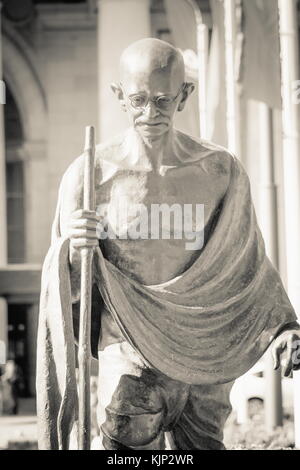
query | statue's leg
(202,421)
(130,403)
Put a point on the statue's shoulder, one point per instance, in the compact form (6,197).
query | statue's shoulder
(108,155)
(212,158)
(111,151)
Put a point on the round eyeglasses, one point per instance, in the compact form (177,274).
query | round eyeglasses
(163,102)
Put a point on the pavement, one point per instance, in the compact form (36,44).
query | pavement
(20,431)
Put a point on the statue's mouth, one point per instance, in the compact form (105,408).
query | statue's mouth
(151,124)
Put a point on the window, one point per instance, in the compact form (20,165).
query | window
(15,212)
(14,182)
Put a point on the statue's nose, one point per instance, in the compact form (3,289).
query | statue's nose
(151,109)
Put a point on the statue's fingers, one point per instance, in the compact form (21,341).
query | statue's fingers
(289,360)
(288,369)
(82,213)
(296,355)
(84,223)
(276,356)
(91,215)
(83,233)
(84,243)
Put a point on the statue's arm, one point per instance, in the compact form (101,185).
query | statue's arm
(75,223)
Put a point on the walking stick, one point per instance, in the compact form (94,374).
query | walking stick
(84,351)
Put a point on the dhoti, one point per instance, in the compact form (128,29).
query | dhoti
(189,337)
(138,404)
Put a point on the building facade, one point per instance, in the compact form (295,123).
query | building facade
(58,59)
(54,57)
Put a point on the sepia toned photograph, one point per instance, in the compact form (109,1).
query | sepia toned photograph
(149,228)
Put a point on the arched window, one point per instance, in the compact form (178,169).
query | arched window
(14,181)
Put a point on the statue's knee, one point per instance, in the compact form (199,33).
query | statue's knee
(134,416)
(131,431)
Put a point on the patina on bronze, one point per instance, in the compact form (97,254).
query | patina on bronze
(177,326)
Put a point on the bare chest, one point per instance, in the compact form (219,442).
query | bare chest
(176,195)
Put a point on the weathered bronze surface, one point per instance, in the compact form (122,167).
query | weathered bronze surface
(178,325)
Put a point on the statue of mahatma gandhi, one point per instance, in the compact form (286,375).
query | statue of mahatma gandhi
(174,323)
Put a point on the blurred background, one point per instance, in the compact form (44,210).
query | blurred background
(57,61)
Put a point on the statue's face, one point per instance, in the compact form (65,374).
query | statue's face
(151,99)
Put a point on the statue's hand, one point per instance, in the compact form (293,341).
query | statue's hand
(287,342)
(82,229)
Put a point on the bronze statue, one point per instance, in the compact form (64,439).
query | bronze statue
(175,319)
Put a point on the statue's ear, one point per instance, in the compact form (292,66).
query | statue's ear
(188,89)
(119,94)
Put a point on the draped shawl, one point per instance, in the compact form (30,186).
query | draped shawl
(207,326)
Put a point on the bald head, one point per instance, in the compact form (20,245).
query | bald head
(150,55)
(152,70)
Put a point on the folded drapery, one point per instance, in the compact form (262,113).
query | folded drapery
(213,322)
(56,387)
(207,326)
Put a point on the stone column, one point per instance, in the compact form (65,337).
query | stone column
(232,118)
(269,225)
(36,241)
(289,37)
(3,222)
(120,22)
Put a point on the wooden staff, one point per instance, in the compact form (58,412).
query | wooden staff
(84,351)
